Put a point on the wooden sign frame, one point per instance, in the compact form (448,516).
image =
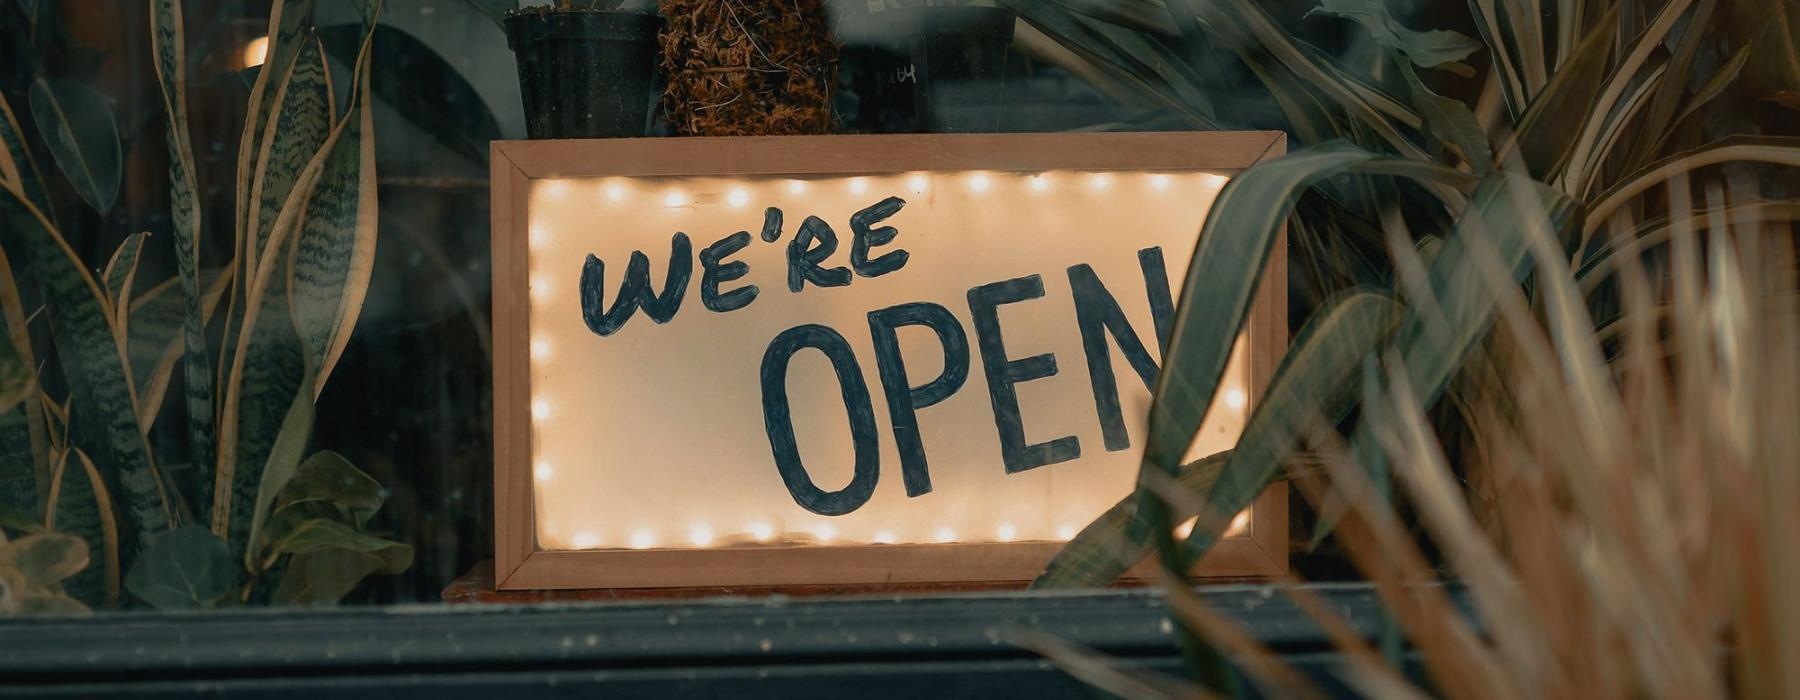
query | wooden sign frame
(521,564)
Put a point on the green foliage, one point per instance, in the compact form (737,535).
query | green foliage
(1234,245)
(334,250)
(283,462)
(1428,49)
(265,369)
(188,567)
(422,86)
(321,534)
(17,380)
(1449,121)
(1109,546)
(322,577)
(1515,225)
(155,322)
(16,520)
(1587,120)
(46,559)
(318,520)
(185,211)
(120,272)
(1312,383)
(32,569)
(327,485)
(17,168)
(103,417)
(78,127)
(1452,314)
(81,505)
(304,229)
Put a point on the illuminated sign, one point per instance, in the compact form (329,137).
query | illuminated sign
(846,359)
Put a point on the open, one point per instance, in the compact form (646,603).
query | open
(847,359)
